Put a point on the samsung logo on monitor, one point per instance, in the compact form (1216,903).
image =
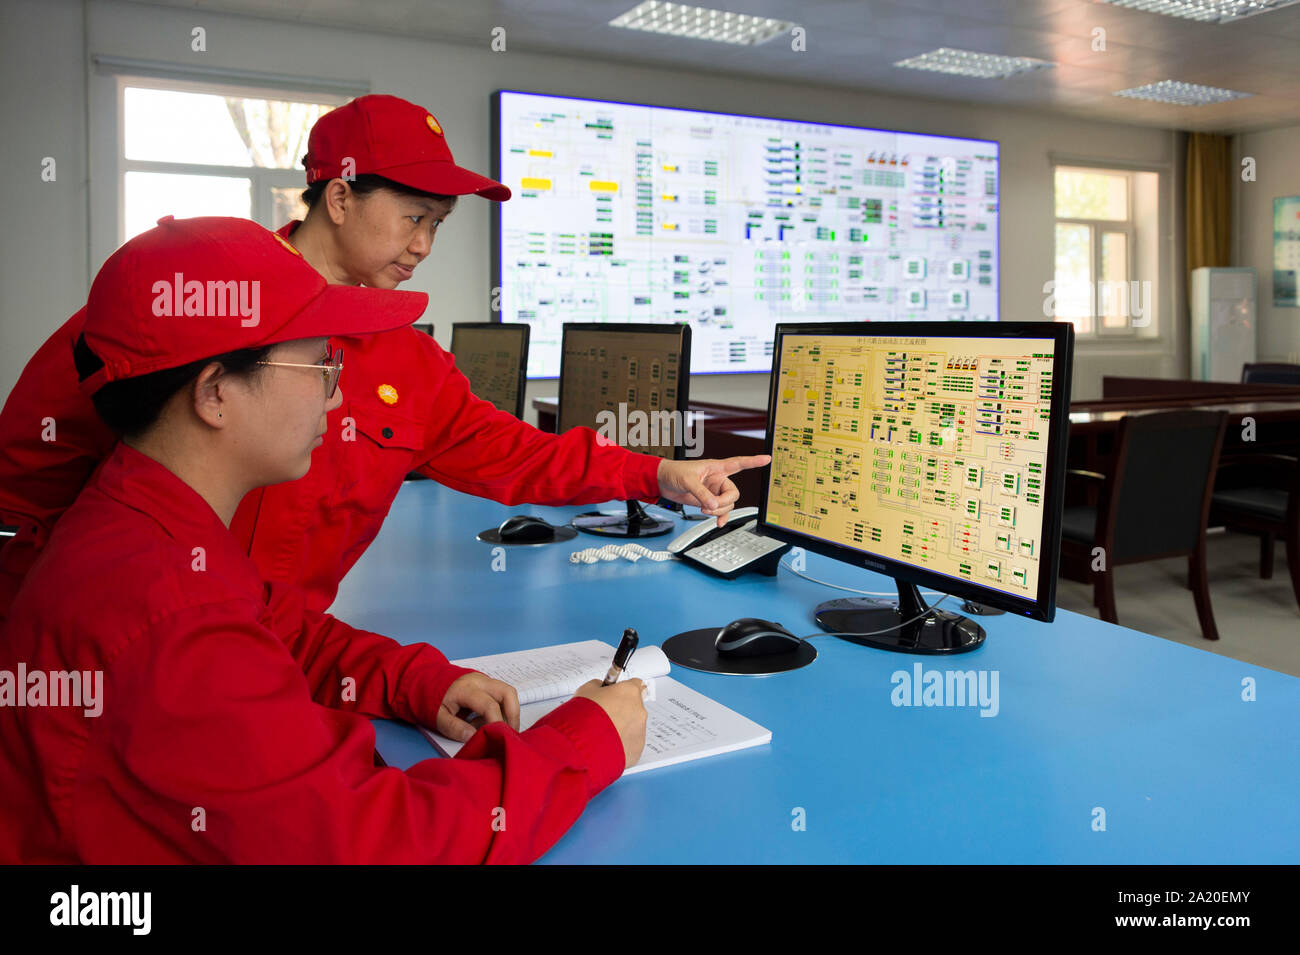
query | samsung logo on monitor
(874,564)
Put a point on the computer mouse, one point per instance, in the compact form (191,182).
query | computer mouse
(524,528)
(750,637)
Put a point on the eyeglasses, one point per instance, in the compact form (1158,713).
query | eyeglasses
(331,366)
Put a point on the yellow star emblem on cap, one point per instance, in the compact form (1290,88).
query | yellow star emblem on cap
(387,394)
(433,123)
(283,242)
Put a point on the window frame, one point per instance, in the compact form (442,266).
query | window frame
(261,179)
(106,130)
(1095,228)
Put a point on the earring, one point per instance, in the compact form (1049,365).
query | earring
(218,414)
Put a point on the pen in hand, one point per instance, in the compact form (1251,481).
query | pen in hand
(621,656)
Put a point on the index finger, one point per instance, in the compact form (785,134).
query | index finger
(744,462)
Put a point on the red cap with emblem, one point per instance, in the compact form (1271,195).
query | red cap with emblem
(189,289)
(393,138)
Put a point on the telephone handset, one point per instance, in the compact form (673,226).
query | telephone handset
(711,531)
(733,548)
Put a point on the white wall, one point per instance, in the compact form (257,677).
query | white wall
(1277,173)
(44,273)
(43,250)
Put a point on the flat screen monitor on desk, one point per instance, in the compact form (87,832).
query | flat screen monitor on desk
(932,452)
(494,357)
(629,384)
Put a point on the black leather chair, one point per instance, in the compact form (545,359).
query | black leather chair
(1270,373)
(1260,494)
(1154,506)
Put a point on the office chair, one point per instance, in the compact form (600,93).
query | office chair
(1268,505)
(1270,373)
(1153,506)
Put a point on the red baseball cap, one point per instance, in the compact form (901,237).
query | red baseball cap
(395,139)
(189,289)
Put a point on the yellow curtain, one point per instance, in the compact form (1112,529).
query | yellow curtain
(1209,201)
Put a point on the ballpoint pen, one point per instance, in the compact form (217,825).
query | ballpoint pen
(621,656)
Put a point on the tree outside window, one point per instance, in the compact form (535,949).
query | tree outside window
(192,153)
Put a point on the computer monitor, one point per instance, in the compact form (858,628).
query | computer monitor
(425,328)
(932,452)
(629,383)
(494,357)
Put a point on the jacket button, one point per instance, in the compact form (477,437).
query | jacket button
(387,432)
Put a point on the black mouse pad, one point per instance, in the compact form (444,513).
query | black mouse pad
(694,650)
(563,532)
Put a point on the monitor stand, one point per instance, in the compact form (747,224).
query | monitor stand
(938,631)
(637,523)
(979,609)
(680,510)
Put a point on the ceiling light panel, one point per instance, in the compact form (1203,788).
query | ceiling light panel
(1182,94)
(1206,11)
(701,23)
(967,63)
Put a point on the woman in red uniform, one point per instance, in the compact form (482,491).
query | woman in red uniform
(408,407)
(166,712)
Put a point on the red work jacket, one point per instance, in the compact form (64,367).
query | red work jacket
(223,731)
(311,531)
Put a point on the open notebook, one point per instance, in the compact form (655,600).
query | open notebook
(681,724)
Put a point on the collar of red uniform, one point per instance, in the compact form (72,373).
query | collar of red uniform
(288,228)
(141,483)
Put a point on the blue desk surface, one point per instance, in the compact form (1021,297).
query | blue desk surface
(1091,716)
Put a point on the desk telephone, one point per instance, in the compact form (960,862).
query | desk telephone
(733,548)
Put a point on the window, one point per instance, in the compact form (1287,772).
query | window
(1106,226)
(188,152)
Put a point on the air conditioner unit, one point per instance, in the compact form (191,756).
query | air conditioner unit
(1223,323)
